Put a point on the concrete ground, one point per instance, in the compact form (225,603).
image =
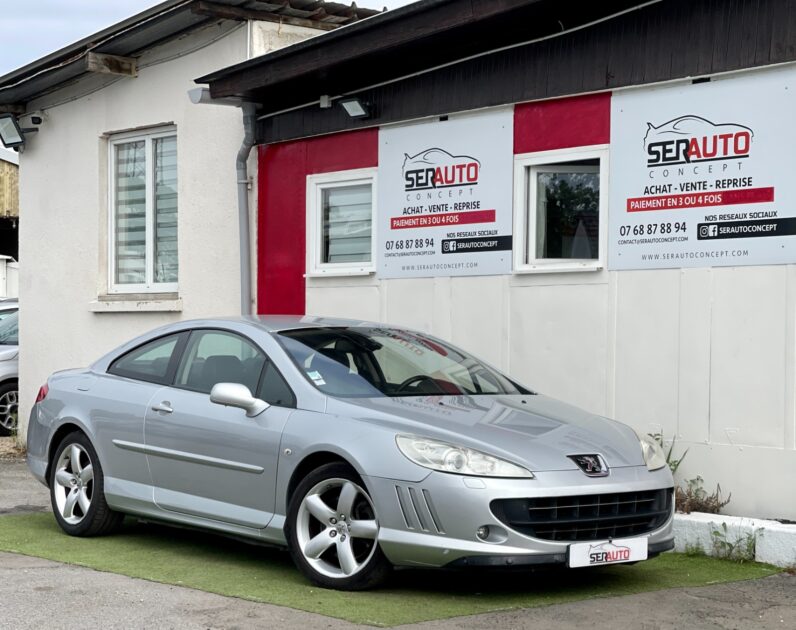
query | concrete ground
(36,593)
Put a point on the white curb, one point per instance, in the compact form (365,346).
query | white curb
(776,543)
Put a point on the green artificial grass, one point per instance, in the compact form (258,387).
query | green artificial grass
(227,567)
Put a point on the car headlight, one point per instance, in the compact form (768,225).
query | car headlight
(654,456)
(450,458)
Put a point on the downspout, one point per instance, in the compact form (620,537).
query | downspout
(249,111)
(201,95)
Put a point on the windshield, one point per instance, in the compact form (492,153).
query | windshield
(9,330)
(371,362)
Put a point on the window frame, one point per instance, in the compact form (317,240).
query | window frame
(316,185)
(184,353)
(148,137)
(525,228)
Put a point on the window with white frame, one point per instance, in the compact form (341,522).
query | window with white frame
(560,210)
(341,222)
(143,212)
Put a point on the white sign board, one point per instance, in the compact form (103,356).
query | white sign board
(703,175)
(445,197)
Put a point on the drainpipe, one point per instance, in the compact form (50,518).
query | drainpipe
(249,110)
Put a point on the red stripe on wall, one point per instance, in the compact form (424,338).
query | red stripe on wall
(282,210)
(562,123)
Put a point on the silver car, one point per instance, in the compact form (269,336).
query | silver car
(9,365)
(359,446)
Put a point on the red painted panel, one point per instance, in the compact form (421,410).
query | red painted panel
(562,123)
(282,209)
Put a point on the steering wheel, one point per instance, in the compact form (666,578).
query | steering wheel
(417,378)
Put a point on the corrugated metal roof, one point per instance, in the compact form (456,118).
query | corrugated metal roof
(149,28)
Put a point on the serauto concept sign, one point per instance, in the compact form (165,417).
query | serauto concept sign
(703,175)
(444,200)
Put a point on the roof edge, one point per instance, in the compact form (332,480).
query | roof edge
(347,30)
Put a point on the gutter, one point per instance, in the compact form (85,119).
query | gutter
(249,111)
(201,96)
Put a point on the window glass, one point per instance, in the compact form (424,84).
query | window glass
(144,213)
(149,362)
(566,211)
(130,213)
(346,218)
(274,390)
(214,356)
(371,362)
(8,313)
(165,239)
(9,329)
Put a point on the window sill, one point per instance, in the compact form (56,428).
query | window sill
(340,273)
(569,267)
(137,303)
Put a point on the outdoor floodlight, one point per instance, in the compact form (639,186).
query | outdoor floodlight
(11,134)
(355,108)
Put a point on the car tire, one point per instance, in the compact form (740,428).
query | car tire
(9,408)
(77,489)
(332,530)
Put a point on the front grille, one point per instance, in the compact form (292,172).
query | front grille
(587,517)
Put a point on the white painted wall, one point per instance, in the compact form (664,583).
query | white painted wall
(65,322)
(704,354)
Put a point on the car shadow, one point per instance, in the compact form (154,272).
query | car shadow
(555,580)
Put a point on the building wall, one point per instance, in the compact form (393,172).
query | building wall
(66,320)
(9,189)
(705,355)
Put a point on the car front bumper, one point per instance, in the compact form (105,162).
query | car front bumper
(433,523)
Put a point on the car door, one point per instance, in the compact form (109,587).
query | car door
(119,400)
(208,460)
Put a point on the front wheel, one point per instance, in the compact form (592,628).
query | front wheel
(77,489)
(332,530)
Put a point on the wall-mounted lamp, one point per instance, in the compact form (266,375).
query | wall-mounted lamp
(355,107)
(11,134)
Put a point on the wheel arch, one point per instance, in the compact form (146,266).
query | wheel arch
(312,462)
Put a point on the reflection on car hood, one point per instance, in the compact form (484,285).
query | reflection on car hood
(535,431)
(8,352)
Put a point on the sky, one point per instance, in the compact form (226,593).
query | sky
(30,29)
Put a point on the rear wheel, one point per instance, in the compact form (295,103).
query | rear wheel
(77,490)
(332,530)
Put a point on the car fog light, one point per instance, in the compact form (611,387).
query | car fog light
(482,532)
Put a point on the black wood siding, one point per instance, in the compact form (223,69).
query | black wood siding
(669,40)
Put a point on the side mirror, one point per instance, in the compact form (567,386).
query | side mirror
(237,395)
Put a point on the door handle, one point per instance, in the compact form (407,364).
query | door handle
(163,407)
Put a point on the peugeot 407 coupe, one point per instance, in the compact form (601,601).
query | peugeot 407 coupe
(359,446)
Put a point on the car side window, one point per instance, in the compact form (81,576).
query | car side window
(149,362)
(274,389)
(215,356)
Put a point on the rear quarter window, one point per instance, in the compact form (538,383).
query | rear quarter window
(153,362)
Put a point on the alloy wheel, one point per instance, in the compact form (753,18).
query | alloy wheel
(74,483)
(336,528)
(8,410)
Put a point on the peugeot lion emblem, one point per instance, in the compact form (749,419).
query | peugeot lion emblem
(591,465)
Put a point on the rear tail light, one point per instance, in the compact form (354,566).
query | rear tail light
(43,391)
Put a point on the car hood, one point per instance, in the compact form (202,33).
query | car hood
(535,431)
(8,352)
